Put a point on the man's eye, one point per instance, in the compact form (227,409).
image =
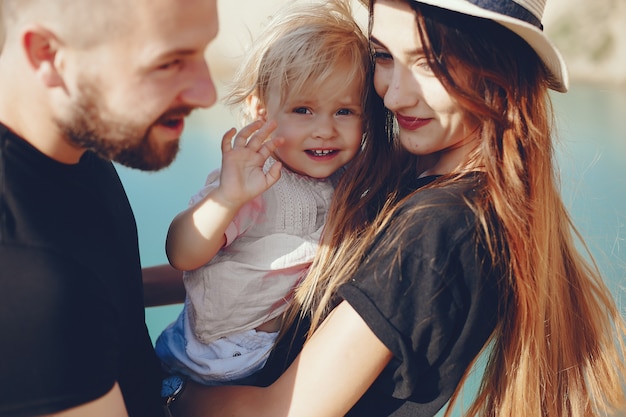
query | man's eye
(170,65)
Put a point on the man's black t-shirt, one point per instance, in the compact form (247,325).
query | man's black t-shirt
(428,291)
(71,316)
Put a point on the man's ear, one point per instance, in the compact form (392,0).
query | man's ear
(256,106)
(42,48)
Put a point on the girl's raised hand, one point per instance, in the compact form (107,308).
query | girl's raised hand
(242,177)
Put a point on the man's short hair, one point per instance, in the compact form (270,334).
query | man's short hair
(82,22)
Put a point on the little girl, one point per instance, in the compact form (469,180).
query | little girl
(251,233)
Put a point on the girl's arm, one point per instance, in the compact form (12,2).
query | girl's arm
(335,368)
(197,233)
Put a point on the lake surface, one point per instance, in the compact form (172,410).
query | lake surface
(591,154)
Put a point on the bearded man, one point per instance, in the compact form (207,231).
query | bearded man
(84,83)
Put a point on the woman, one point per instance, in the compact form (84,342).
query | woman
(447,238)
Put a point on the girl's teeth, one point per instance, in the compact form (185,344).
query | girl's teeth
(320,153)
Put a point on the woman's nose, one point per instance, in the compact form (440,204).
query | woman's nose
(402,89)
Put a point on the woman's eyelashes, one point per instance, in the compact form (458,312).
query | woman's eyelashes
(381,56)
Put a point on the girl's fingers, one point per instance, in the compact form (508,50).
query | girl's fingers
(254,137)
(274,173)
(227,140)
(268,147)
(241,140)
(261,135)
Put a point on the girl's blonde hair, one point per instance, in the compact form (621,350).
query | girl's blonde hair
(300,48)
(558,348)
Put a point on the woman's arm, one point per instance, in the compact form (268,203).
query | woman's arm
(335,368)
(197,233)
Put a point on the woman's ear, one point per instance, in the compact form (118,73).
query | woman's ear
(42,52)
(256,107)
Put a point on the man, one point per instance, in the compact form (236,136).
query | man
(84,82)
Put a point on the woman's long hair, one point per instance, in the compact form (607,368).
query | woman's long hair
(558,348)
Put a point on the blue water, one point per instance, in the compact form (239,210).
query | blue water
(592,157)
(591,153)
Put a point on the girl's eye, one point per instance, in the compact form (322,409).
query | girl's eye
(345,112)
(301,110)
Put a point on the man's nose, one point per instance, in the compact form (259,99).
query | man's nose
(201,92)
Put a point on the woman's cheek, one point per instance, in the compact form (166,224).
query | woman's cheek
(381,82)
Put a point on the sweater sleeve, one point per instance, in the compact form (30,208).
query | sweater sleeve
(245,218)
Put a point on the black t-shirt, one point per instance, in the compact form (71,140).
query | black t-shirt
(71,315)
(429,293)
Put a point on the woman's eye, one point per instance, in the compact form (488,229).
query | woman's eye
(423,65)
(380,56)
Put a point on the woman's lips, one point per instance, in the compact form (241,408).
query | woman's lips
(411,123)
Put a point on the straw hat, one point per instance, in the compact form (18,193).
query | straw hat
(523,17)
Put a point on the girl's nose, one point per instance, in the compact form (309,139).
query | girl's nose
(325,128)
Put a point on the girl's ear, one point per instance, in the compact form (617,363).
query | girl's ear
(256,107)
(42,52)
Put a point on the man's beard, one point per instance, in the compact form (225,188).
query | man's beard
(115,139)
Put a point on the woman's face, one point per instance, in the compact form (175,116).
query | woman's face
(431,123)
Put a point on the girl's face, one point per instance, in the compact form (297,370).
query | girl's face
(431,123)
(322,127)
